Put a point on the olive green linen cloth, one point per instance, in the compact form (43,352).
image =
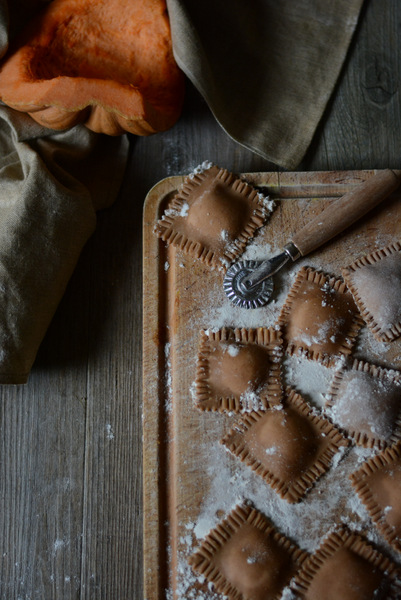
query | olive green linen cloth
(51,185)
(266,68)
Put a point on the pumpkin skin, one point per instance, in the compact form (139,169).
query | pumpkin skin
(105,63)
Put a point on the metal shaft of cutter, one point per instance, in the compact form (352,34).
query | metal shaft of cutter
(269,267)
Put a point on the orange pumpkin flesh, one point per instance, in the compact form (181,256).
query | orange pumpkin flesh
(106,63)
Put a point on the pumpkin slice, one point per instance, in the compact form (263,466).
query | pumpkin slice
(106,63)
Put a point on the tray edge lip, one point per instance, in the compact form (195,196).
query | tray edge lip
(150,207)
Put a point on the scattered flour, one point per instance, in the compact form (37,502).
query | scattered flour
(310,378)
(109,432)
(200,168)
(169,392)
(230,481)
(233,349)
(184,209)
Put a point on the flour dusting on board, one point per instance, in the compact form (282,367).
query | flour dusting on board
(330,501)
(210,481)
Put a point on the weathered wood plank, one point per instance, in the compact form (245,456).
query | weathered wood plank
(41,485)
(84,541)
(361,128)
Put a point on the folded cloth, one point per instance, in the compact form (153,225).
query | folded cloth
(51,185)
(50,188)
(266,68)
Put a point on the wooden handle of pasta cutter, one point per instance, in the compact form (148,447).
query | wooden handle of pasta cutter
(342,213)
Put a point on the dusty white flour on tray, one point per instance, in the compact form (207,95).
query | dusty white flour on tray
(330,502)
(297,521)
(367,347)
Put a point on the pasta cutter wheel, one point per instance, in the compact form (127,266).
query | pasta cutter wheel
(249,284)
(238,293)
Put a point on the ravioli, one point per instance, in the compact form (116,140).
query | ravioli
(319,317)
(290,446)
(365,401)
(246,557)
(346,566)
(375,283)
(238,369)
(378,484)
(213,216)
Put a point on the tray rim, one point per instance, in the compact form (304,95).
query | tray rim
(282,185)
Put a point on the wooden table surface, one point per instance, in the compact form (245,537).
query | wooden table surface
(70,453)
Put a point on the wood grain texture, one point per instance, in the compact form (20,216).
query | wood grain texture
(71,439)
(182,300)
(362,123)
(338,216)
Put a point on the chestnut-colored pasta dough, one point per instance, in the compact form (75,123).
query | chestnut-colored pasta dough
(217,215)
(289,445)
(255,563)
(319,317)
(347,567)
(238,369)
(378,483)
(213,216)
(375,283)
(284,440)
(359,579)
(365,401)
(245,557)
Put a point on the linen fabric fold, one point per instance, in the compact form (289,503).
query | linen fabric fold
(51,185)
(48,204)
(266,68)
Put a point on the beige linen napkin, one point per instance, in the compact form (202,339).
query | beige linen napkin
(51,185)
(50,188)
(266,68)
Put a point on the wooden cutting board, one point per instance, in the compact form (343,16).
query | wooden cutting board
(190,481)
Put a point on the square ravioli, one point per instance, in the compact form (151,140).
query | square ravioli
(375,283)
(290,446)
(378,484)
(238,369)
(365,401)
(347,567)
(246,558)
(319,318)
(213,216)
